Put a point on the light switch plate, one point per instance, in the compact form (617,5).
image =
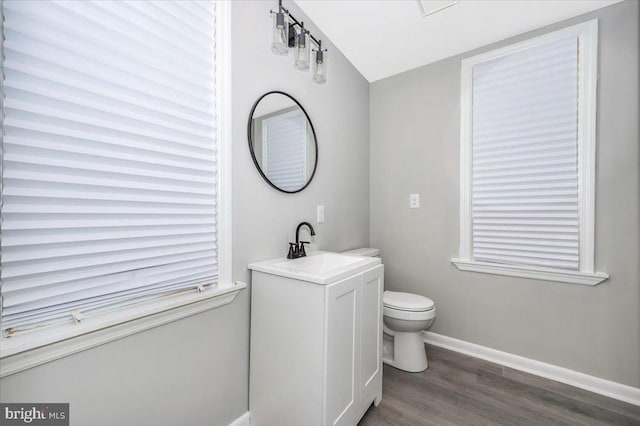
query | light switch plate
(414,201)
(320,214)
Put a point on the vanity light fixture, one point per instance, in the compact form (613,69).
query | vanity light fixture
(289,32)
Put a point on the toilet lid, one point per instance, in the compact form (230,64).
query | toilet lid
(407,301)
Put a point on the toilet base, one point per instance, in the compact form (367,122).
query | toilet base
(405,351)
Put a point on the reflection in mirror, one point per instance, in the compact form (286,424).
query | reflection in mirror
(282,142)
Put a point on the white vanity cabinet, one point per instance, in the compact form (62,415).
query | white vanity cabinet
(316,349)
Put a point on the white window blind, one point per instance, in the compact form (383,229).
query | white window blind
(285,149)
(109,156)
(525,157)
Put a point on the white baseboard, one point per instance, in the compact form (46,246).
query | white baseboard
(243,420)
(560,374)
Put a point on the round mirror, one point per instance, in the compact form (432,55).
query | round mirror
(282,142)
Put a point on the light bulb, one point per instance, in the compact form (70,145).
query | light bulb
(320,66)
(302,51)
(280,39)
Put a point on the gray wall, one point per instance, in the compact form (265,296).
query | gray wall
(415,121)
(265,219)
(195,371)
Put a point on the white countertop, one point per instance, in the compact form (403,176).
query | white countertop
(318,267)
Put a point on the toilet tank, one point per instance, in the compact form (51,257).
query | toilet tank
(363,251)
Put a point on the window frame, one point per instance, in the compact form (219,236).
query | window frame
(587,33)
(20,352)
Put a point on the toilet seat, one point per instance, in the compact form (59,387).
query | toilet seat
(408,302)
(408,315)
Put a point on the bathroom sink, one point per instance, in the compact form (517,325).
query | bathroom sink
(319,267)
(319,263)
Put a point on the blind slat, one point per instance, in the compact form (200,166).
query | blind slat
(96,80)
(87,276)
(51,236)
(107,152)
(47,92)
(175,270)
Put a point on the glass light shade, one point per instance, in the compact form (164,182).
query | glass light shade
(320,66)
(302,52)
(280,39)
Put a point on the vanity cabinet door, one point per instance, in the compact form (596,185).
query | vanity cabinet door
(342,352)
(371,337)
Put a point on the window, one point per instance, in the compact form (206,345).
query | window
(115,168)
(528,158)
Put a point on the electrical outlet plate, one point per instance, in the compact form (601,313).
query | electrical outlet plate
(414,201)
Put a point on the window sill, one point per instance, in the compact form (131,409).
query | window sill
(571,277)
(22,352)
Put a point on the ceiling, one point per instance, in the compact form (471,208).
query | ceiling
(386,37)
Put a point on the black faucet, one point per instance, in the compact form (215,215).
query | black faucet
(297,249)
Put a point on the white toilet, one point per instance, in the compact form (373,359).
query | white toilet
(405,316)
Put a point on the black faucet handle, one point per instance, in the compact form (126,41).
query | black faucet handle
(293,251)
(302,252)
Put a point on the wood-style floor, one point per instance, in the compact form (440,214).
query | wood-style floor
(461,390)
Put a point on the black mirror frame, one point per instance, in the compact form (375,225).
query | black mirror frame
(253,154)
